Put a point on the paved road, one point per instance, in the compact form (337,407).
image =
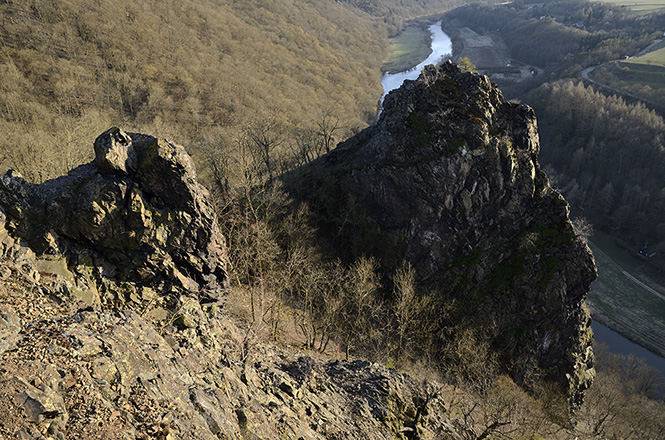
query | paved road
(646,49)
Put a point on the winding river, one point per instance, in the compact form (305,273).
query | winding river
(441,47)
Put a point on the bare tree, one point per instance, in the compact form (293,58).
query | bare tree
(408,311)
(265,137)
(327,126)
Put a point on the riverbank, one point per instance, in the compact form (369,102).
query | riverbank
(409,48)
(627,296)
(441,47)
(629,336)
(618,344)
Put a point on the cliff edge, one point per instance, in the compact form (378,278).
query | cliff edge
(448,179)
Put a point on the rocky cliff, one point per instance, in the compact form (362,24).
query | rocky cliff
(135,218)
(448,179)
(111,326)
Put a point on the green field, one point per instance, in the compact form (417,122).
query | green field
(646,81)
(640,7)
(408,49)
(641,74)
(629,294)
(654,58)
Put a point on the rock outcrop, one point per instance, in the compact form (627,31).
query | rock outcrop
(448,179)
(135,218)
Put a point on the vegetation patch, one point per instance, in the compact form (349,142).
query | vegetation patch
(408,49)
(421,128)
(550,266)
(506,272)
(470,260)
(447,88)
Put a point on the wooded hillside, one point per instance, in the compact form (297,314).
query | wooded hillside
(194,70)
(608,158)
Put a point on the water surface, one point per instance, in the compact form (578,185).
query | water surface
(441,48)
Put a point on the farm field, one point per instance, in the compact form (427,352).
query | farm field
(644,81)
(408,49)
(629,294)
(654,58)
(640,7)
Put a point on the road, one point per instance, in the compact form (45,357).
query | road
(585,75)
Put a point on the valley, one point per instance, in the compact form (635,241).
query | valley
(629,294)
(272,261)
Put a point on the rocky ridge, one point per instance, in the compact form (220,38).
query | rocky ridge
(448,179)
(112,326)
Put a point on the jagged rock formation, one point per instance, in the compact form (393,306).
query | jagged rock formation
(111,326)
(448,179)
(136,215)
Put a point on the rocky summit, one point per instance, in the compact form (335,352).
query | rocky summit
(448,179)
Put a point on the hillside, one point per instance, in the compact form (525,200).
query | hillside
(202,71)
(149,294)
(192,70)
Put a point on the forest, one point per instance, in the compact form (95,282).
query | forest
(254,88)
(580,128)
(605,152)
(203,72)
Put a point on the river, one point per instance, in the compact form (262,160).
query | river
(441,47)
(619,344)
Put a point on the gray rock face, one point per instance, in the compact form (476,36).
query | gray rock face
(136,214)
(91,374)
(448,179)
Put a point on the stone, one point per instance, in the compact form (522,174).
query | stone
(114,152)
(136,214)
(448,179)
(10,326)
(39,404)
